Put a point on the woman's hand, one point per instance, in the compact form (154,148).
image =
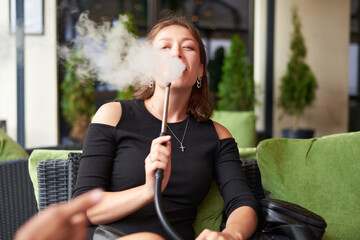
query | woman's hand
(158,158)
(240,225)
(212,235)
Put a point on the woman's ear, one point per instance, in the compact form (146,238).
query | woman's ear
(201,70)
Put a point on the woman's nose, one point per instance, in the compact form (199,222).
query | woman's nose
(176,52)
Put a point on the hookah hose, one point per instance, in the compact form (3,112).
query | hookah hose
(159,175)
(164,222)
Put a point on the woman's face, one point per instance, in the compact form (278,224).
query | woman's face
(179,41)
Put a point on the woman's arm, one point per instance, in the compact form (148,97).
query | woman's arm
(242,222)
(116,205)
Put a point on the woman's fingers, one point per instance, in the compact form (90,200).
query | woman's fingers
(158,165)
(160,150)
(159,162)
(161,140)
(158,158)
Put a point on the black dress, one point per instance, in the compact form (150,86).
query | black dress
(113,159)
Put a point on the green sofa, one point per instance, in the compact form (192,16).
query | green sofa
(9,149)
(320,174)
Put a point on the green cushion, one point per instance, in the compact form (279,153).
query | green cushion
(241,124)
(321,175)
(9,149)
(209,212)
(41,154)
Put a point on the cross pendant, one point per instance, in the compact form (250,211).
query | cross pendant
(182,147)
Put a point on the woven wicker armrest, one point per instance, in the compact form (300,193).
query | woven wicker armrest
(253,176)
(74,163)
(17,199)
(56,179)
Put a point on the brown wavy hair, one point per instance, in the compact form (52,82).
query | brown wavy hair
(199,105)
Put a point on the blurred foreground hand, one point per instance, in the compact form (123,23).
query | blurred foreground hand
(64,221)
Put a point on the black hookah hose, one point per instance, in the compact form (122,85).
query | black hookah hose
(158,205)
(159,175)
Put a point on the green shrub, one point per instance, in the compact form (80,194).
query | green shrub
(78,98)
(298,85)
(236,89)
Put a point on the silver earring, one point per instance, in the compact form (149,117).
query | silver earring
(151,83)
(198,82)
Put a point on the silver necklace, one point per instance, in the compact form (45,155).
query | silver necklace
(182,140)
(186,126)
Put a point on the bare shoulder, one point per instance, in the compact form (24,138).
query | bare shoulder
(222,131)
(109,114)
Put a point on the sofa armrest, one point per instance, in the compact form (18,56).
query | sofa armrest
(52,182)
(56,179)
(39,155)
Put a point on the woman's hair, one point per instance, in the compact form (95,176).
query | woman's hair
(199,104)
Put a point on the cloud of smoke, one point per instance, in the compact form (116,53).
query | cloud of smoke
(117,57)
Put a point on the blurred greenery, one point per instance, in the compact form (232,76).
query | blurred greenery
(78,98)
(127,93)
(298,85)
(236,90)
(78,90)
(129,24)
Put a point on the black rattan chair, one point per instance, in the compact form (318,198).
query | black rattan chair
(56,180)
(17,199)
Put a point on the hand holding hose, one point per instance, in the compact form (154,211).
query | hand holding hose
(158,158)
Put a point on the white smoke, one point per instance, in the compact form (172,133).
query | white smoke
(117,57)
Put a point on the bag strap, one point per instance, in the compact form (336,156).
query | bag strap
(292,231)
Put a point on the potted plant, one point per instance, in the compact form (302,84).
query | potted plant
(236,92)
(298,85)
(78,98)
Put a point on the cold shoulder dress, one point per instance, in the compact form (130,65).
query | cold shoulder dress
(113,159)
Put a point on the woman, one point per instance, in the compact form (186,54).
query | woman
(124,135)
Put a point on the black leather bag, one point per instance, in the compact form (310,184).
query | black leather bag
(104,232)
(291,220)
